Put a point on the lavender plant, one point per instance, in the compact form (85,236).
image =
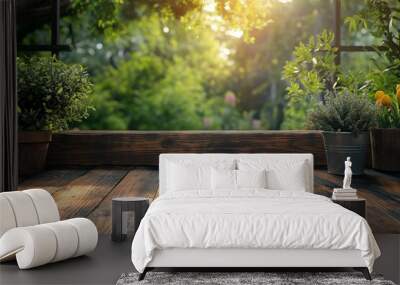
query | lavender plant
(345,112)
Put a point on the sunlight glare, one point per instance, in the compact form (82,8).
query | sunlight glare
(235,33)
(224,52)
(209,6)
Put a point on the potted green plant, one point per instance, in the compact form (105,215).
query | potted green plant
(382,19)
(345,120)
(386,138)
(51,96)
(333,101)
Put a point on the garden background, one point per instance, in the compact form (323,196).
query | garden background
(204,64)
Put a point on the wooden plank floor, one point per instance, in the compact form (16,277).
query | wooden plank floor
(382,192)
(88,192)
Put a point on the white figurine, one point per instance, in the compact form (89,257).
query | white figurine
(347,174)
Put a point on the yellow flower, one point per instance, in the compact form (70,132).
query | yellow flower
(378,95)
(386,101)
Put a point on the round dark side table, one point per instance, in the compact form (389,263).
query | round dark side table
(120,207)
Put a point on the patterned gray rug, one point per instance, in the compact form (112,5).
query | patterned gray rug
(243,278)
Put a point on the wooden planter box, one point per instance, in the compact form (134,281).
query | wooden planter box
(385,149)
(32,152)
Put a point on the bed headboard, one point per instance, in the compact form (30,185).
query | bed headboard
(205,158)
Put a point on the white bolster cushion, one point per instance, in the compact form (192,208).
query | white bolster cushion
(26,208)
(33,246)
(87,235)
(7,219)
(46,207)
(66,239)
(37,245)
(24,211)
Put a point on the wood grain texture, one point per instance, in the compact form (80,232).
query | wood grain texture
(135,148)
(34,136)
(382,193)
(385,144)
(357,206)
(89,193)
(52,180)
(137,183)
(80,197)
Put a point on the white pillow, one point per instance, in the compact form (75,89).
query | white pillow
(251,178)
(281,174)
(180,173)
(223,179)
(292,179)
(184,177)
(230,180)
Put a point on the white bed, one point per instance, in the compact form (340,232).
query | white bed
(282,224)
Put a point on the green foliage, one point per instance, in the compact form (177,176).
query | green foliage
(247,15)
(296,112)
(313,76)
(382,19)
(51,94)
(107,15)
(220,114)
(389,117)
(162,80)
(312,71)
(150,95)
(377,80)
(104,13)
(168,64)
(257,73)
(345,112)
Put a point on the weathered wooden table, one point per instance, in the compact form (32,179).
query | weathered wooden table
(121,205)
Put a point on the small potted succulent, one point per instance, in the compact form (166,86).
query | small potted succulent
(345,120)
(51,96)
(386,138)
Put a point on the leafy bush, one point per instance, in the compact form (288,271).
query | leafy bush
(313,77)
(164,81)
(312,71)
(51,94)
(347,112)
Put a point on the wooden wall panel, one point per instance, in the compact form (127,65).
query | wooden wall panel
(142,148)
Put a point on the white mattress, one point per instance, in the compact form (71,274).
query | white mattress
(253,219)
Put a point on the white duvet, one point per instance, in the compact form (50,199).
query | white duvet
(250,219)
